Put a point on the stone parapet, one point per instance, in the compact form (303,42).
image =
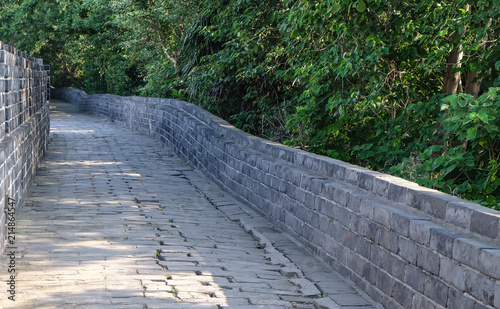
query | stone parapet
(406,246)
(24,126)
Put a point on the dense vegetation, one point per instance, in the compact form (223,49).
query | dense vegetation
(410,87)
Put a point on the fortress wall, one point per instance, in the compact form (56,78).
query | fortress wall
(24,127)
(406,246)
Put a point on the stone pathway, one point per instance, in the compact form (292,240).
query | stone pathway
(115,220)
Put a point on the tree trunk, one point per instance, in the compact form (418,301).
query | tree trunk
(473,83)
(452,76)
(164,47)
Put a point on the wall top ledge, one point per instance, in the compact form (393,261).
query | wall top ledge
(6,48)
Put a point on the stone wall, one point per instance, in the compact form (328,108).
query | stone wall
(24,125)
(405,245)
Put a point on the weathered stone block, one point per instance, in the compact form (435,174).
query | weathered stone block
(420,301)
(389,240)
(408,250)
(458,300)
(442,241)
(453,273)
(382,215)
(496,302)
(485,224)
(436,290)
(381,185)
(353,202)
(467,250)
(428,260)
(479,286)
(420,231)
(403,295)
(490,262)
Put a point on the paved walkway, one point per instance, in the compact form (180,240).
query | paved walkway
(115,220)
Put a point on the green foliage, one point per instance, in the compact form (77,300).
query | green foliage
(465,162)
(364,81)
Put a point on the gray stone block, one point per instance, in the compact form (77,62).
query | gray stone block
(366,180)
(382,215)
(325,303)
(459,300)
(428,260)
(366,209)
(442,241)
(453,273)
(353,202)
(341,195)
(420,302)
(485,224)
(408,250)
(490,263)
(381,185)
(480,286)
(389,240)
(351,176)
(385,282)
(436,290)
(467,250)
(403,295)
(496,302)
(420,231)
(363,247)
(373,231)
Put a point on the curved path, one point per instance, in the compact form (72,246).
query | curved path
(115,220)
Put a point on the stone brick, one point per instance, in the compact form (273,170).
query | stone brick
(400,223)
(485,224)
(428,260)
(366,180)
(459,213)
(479,286)
(420,231)
(458,300)
(381,185)
(453,273)
(351,176)
(373,231)
(415,277)
(366,208)
(442,241)
(402,294)
(389,240)
(436,290)
(467,250)
(354,201)
(490,262)
(420,302)
(497,295)
(382,215)
(385,282)
(363,247)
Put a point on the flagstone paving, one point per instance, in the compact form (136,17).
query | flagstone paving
(115,220)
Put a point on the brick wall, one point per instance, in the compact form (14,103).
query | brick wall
(404,245)
(24,124)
